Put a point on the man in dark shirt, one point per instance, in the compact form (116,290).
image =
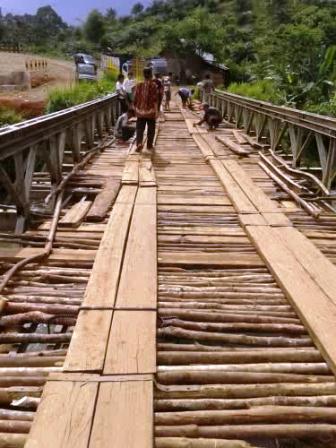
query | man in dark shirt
(212,117)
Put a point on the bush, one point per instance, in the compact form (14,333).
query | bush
(9,116)
(62,98)
(325,108)
(264,90)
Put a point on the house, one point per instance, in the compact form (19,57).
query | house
(194,67)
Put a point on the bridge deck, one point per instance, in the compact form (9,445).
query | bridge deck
(208,313)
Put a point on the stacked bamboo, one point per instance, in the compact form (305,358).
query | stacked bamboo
(236,366)
(40,304)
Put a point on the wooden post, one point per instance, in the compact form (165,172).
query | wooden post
(330,169)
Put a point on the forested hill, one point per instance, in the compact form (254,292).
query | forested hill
(284,49)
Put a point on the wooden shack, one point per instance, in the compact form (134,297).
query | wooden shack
(194,67)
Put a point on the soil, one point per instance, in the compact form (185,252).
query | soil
(31,103)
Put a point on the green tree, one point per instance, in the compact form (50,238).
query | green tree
(94,27)
(137,9)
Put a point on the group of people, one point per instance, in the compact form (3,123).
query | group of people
(143,101)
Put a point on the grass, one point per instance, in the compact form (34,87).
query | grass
(9,116)
(62,98)
(264,90)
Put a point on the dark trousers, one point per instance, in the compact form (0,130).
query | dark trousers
(123,105)
(141,126)
(127,132)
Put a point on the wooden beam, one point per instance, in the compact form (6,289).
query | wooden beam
(138,281)
(255,194)
(124,416)
(103,284)
(240,201)
(64,416)
(313,306)
(104,201)
(131,347)
(76,214)
(89,341)
(209,259)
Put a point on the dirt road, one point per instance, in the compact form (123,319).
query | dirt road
(58,73)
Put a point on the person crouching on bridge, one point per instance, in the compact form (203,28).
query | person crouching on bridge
(212,117)
(124,129)
(146,101)
(186,95)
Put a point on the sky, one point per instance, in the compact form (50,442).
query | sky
(72,11)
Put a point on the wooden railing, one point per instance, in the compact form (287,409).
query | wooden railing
(309,138)
(50,144)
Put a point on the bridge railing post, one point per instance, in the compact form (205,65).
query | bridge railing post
(307,137)
(42,143)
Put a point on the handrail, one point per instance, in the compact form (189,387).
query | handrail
(49,141)
(283,128)
(315,122)
(10,135)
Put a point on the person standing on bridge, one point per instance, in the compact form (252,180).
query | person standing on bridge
(146,100)
(121,92)
(212,117)
(129,86)
(167,82)
(159,84)
(208,87)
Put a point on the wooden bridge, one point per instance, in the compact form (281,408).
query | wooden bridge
(186,299)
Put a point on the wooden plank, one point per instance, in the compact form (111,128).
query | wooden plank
(313,306)
(84,227)
(15,254)
(277,220)
(63,419)
(194,129)
(103,201)
(89,341)
(260,200)
(132,343)
(206,230)
(124,416)
(252,220)
(196,239)
(240,200)
(102,287)
(318,266)
(147,174)
(203,146)
(76,214)
(238,136)
(193,200)
(232,146)
(209,259)
(138,281)
(198,209)
(131,172)
(97,378)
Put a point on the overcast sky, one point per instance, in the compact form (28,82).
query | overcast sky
(72,11)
